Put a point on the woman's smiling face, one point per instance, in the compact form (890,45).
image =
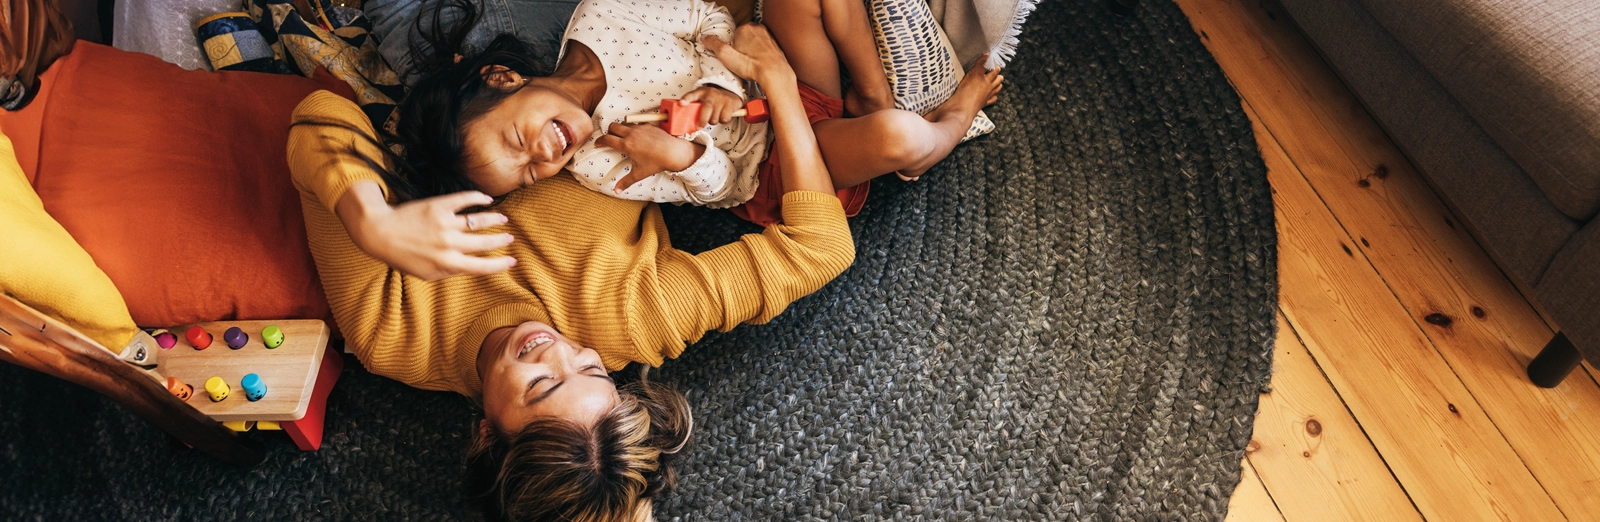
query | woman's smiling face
(530,135)
(531,371)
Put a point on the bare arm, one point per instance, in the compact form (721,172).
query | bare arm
(753,54)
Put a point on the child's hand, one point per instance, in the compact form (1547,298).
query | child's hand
(651,149)
(752,54)
(716,104)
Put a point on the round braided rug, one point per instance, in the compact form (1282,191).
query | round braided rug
(1070,318)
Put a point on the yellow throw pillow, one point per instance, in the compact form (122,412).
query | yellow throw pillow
(42,266)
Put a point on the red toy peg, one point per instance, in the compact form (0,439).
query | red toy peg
(682,119)
(756,111)
(198,337)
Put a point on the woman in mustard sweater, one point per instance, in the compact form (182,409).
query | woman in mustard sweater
(596,285)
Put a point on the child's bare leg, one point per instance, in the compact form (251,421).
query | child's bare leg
(851,33)
(859,149)
(818,35)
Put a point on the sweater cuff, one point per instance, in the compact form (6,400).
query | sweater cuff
(807,206)
(498,317)
(346,174)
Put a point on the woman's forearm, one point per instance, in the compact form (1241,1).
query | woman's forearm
(799,158)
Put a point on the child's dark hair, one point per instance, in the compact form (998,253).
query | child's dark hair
(426,158)
(557,470)
(450,94)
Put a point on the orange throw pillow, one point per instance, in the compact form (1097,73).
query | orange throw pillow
(175,182)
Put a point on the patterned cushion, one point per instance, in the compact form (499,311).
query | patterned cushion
(918,58)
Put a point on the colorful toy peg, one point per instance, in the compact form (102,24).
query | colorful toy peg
(756,111)
(235,338)
(198,337)
(272,336)
(180,390)
(268,425)
(682,119)
(254,389)
(166,340)
(217,389)
(239,426)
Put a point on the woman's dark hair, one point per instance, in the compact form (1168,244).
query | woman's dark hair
(426,144)
(557,470)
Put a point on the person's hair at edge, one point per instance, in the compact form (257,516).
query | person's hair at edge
(448,95)
(557,470)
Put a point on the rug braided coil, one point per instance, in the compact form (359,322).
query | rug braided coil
(1069,319)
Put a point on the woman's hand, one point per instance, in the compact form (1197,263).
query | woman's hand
(651,149)
(716,104)
(426,238)
(752,54)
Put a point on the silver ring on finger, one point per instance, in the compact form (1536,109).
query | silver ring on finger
(469,223)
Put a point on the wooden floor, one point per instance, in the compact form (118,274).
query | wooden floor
(1399,390)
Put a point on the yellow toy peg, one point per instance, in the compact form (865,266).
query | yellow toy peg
(217,388)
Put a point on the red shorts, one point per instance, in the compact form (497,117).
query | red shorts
(763,208)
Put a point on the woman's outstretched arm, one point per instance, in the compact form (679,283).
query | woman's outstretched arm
(754,54)
(334,156)
(756,278)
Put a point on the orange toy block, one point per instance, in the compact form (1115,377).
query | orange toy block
(682,118)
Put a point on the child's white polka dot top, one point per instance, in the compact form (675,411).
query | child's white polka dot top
(651,51)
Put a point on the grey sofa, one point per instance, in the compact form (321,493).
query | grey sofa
(1497,102)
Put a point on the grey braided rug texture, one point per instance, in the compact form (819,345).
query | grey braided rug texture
(1069,319)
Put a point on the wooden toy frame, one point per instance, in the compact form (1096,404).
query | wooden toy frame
(33,340)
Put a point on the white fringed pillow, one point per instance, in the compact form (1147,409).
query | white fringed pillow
(921,64)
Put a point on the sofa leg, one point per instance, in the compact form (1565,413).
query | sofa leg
(1553,363)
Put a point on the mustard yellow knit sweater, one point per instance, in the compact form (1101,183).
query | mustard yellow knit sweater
(601,270)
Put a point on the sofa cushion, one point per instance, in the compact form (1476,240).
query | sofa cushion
(1513,218)
(175,183)
(1527,72)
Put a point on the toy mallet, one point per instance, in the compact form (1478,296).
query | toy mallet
(682,119)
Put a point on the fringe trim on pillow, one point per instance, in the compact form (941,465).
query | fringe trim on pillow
(1003,50)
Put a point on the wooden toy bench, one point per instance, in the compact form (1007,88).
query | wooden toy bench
(299,374)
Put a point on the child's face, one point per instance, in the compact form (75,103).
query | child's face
(528,136)
(531,371)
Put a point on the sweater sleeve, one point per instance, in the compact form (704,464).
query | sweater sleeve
(388,327)
(329,148)
(756,278)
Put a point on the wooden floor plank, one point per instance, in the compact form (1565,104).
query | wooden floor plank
(1472,314)
(1250,502)
(1309,452)
(1446,453)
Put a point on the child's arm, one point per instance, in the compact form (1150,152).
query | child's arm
(710,19)
(644,163)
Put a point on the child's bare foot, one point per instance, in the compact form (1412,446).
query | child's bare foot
(858,103)
(978,89)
